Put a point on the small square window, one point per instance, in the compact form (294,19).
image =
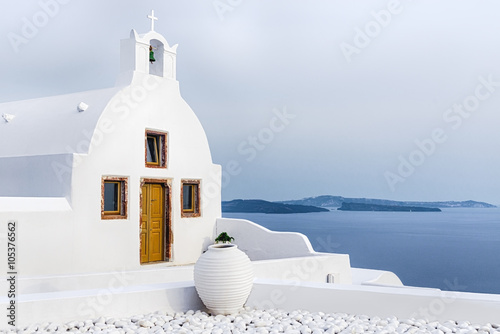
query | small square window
(152,150)
(190,198)
(156,149)
(114,198)
(189,191)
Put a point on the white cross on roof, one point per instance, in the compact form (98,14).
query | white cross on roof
(153,19)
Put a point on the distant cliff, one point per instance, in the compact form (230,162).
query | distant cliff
(260,206)
(346,206)
(336,201)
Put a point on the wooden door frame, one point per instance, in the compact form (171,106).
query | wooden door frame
(168,238)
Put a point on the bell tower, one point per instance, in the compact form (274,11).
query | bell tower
(147,53)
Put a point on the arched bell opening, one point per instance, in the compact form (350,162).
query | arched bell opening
(156,57)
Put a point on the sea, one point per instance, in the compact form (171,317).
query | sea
(457,249)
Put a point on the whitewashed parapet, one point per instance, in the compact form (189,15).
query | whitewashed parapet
(259,243)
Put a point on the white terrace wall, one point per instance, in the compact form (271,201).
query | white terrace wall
(44,239)
(401,302)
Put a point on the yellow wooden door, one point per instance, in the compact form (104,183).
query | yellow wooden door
(152,223)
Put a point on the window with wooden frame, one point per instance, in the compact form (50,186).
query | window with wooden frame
(114,198)
(190,198)
(156,149)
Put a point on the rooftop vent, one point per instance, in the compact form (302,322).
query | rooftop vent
(8,117)
(82,106)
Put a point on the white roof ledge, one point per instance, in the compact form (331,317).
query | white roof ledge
(34,204)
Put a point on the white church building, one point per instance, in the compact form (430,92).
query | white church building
(82,172)
(114,196)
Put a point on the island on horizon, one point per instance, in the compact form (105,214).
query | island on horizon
(330,201)
(324,202)
(347,206)
(261,206)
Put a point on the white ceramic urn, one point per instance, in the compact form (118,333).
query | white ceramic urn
(223,277)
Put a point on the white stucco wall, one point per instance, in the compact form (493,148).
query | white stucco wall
(44,240)
(402,302)
(260,243)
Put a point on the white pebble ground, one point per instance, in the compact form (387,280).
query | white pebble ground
(259,321)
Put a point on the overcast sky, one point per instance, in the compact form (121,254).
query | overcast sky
(383,99)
